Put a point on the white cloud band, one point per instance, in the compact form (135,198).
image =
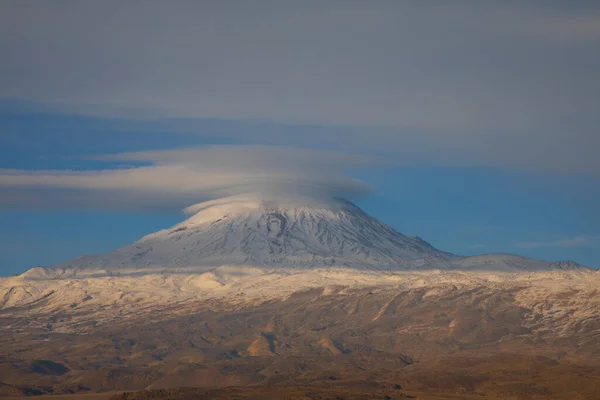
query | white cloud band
(184,177)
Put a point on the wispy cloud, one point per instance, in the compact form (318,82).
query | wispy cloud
(575,241)
(180,178)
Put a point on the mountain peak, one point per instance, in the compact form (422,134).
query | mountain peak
(256,202)
(274,232)
(289,232)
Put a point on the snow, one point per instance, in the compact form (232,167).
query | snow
(282,233)
(251,249)
(98,298)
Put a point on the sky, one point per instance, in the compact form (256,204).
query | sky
(471,124)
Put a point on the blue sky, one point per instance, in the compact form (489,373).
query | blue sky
(472,125)
(465,210)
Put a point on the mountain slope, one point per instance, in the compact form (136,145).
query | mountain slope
(254,291)
(285,233)
(257,232)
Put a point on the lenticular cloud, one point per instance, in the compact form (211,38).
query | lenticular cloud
(179,178)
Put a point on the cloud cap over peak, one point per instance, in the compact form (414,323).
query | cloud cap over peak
(179,178)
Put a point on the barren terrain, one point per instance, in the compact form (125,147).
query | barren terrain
(503,339)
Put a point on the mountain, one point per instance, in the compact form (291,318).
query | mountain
(305,296)
(252,248)
(282,233)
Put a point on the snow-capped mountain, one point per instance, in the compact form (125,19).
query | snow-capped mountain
(253,279)
(257,231)
(245,251)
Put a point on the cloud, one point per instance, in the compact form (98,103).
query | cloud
(246,158)
(576,241)
(179,178)
(509,84)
